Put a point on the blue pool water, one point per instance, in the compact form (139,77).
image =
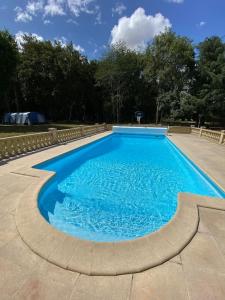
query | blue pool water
(119,188)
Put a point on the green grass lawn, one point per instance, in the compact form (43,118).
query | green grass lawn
(15,130)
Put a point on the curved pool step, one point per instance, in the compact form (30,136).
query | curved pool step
(94,258)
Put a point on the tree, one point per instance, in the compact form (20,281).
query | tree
(53,79)
(71,83)
(165,81)
(120,72)
(169,68)
(8,65)
(210,88)
(36,75)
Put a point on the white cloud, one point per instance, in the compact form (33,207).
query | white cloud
(97,49)
(138,29)
(33,7)
(202,23)
(79,6)
(19,37)
(176,1)
(98,19)
(37,37)
(72,21)
(118,9)
(54,8)
(64,42)
(51,7)
(46,22)
(22,15)
(57,8)
(78,48)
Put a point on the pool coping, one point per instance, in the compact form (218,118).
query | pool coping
(199,165)
(107,258)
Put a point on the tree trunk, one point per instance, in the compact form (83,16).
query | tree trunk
(157,113)
(7,103)
(16,99)
(70,111)
(117,109)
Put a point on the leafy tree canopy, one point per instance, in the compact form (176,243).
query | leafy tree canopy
(170,79)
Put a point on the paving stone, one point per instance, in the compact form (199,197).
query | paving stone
(103,258)
(16,182)
(12,276)
(211,158)
(81,260)
(10,202)
(63,252)
(202,228)
(138,257)
(8,229)
(17,252)
(3,191)
(165,282)
(214,220)
(24,275)
(7,222)
(203,253)
(58,274)
(220,241)
(176,260)
(6,237)
(102,288)
(205,285)
(40,287)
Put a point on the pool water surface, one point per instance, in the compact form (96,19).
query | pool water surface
(121,187)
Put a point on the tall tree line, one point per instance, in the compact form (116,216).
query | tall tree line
(172,79)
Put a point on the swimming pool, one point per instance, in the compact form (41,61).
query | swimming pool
(121,187)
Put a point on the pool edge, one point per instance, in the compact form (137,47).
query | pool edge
(105,258)
(95,258)
(199,167)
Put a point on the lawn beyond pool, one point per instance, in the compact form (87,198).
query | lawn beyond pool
(14,130)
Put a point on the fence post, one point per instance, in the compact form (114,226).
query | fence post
(105,126)
(53,132)
(82,131)
(222,136)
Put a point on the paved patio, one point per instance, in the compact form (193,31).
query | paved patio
(198,272)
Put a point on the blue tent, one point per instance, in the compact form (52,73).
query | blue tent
(25,118)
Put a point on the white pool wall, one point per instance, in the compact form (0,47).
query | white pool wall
(140,130)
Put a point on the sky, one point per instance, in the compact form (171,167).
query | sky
(92,25)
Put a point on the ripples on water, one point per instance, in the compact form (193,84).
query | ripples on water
(120,188)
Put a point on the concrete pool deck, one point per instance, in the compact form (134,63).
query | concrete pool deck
(197,272)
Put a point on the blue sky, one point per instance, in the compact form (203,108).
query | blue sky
(93,24)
